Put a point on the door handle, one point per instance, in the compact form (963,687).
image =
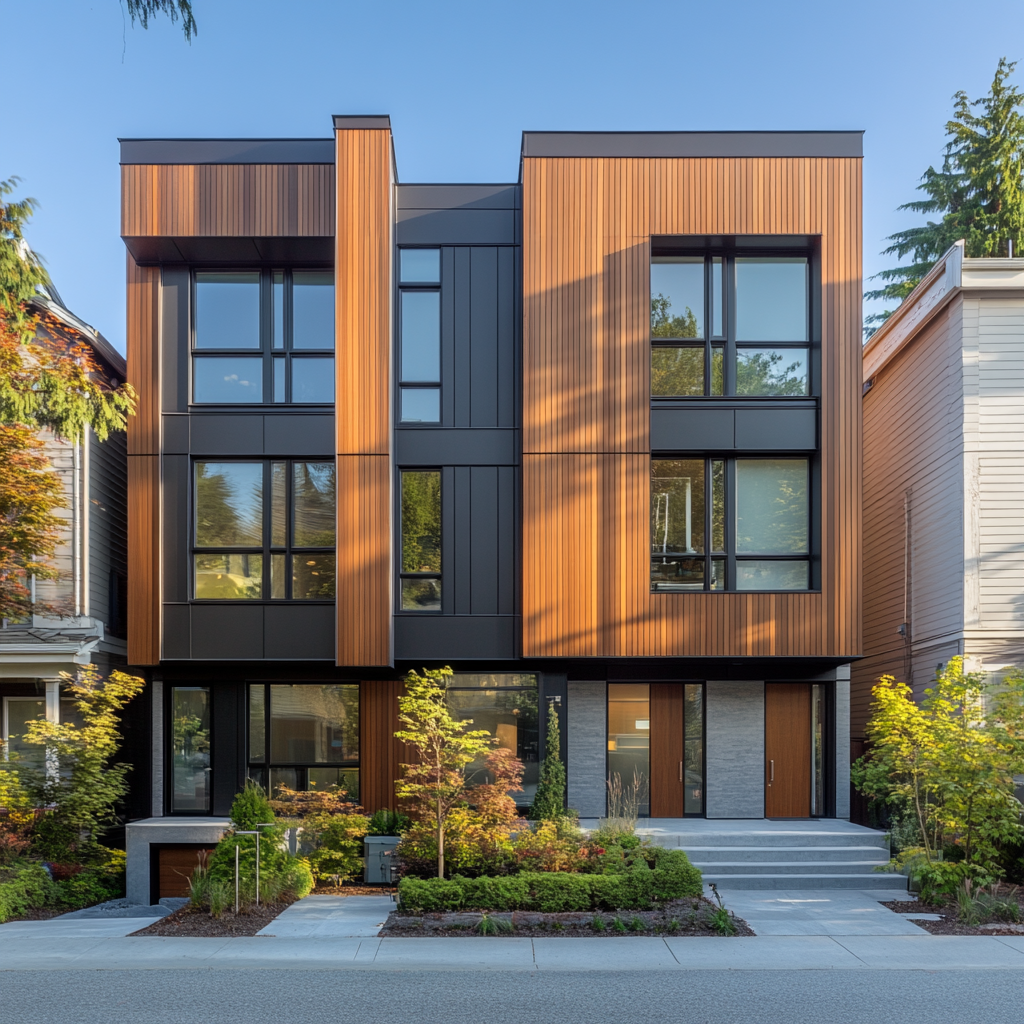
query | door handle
(680,771)
(771,772)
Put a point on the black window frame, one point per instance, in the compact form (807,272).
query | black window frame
(259,771)
(401,385)
(268,548)
(266,350)
(726,340)
(401,573)
(730,556)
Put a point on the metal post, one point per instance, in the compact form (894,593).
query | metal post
(236,879)
(259,825)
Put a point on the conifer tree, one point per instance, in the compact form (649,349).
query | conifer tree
(978,191)
(549,801)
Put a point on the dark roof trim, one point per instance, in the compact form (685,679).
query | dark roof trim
(227,151)
(362,121)
(693,144)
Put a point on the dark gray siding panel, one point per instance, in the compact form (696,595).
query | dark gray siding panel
(483,540)
(174,339)
(483,332)
(506,356)
(227,151)
(694,144)
(692,429)
(227,632)
(175,434)
(462,336)
(448,320)
(298,435)
(175,527)
(108,524)
(227,434)
(417,446)
(776,429)
(454,637)
(177,645)
(457,197)
(463,533)
(508,516)
(227,700)
(302,633)
(456,227)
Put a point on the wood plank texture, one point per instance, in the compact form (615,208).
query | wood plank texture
(257,200)
(175,865)
(587,225)
(362,413)
(667,790)
(380,753)
(143,347)
(143,559)
(364,560)
(787,750)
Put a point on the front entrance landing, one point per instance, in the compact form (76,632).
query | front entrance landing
(763,853)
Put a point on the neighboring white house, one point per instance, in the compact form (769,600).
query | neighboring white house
(92,559)
(944,479)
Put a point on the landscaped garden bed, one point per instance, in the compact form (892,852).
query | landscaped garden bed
(697,916)
(977,912)
(197,922)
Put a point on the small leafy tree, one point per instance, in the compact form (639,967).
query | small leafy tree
(549,801)
(444,746)
(81,783)
(951,760)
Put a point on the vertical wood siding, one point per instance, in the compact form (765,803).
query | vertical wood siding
(227,199)
(143,312)
(587,225)
(380,754)
(362,411)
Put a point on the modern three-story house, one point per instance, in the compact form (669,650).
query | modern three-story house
(589,438)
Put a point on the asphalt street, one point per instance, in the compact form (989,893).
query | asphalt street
(496,997)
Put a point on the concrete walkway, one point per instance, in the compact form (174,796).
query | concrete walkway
(336,916)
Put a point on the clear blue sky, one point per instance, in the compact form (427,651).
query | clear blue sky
(461,81)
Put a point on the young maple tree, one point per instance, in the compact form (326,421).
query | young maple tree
(445,747)
(49,381)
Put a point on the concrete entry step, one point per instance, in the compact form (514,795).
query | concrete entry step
(860,880)
(863,867)
(806,854)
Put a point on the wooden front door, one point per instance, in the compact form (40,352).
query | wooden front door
(667,789)
(787,750)
(174,866)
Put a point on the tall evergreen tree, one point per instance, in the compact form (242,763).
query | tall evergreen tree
(549,801)
(978,191)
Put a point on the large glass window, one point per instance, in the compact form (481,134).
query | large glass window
(419,318)
(18,712)
(698,544)
(629,745)
(421,540)
(305,736)
(698,348)
(190,749)
(284,318)
(505,704)
(274,525)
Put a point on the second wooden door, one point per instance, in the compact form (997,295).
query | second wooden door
(787,750)
(667,788)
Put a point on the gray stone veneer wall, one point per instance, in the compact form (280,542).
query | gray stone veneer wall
(735,750)
(842,746)
(586,743)
(141,836)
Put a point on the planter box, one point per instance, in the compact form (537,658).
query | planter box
(377,863)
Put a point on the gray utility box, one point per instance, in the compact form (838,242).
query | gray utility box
(379,855)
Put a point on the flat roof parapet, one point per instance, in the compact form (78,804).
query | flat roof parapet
(227,151)
(693,144)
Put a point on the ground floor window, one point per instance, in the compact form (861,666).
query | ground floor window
(505,704)
(304,736)
(190,750)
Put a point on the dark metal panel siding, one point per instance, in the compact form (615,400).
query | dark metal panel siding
(227,632)
(176,486)
(226,434)
(227,151)
(448,320)
(298,435)
(693,144)
(692,429)
(227,743)
(507,539)
(300,632)
(454,637)
(462,509)
(108,519)
(483,327)
(463,297)
(776,429)
(174,338)
(457,197)
(506,355)
(484,540)
(175,427)
(455,227)
(429,447)
(177,645)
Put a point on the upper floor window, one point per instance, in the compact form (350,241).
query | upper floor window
(730,325)
(264,530)
(263,337)
(421,540)
(419,331)
(730,524)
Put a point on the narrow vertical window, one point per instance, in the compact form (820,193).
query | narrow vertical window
(421,541)
(313,527)
(419,360)
(677,326)
(693,748)
(190,749)
(677,524)
(629,747)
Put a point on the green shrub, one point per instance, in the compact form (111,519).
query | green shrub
(25,888)
(509,893)
(337,844)
(428,895)
(251,807)
(386,822)
(552,893)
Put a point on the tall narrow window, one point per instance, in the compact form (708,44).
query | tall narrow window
(419,313)
(421,541)
(693,748)
(629,746)
(190,749)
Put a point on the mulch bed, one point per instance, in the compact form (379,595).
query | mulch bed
(192,922)
(949,923)
(680,917)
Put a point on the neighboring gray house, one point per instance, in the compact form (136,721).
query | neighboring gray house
(944,479)
(91,558)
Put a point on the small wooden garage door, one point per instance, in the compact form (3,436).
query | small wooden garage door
(174,867)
